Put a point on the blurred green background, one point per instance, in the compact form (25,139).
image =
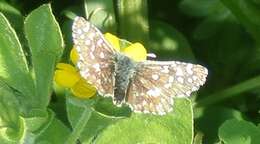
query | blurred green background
(222,35)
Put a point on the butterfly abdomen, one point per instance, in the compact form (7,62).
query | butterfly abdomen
(124,71)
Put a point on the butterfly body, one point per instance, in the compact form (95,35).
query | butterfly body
(125,69)
(147,86)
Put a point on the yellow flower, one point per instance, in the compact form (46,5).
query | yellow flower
(136,51)
(68,76)
(74,56)
(113,40)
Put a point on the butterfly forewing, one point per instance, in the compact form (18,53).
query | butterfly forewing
(156,83)
(95,55)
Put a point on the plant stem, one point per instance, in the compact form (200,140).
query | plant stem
(86,9)
(133,20)
(230,92)
(79,126)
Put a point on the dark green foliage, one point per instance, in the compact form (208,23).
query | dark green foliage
(223,35)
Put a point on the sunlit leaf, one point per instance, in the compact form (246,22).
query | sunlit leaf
(176,127)
(13,65)
(46,44)
(239,132)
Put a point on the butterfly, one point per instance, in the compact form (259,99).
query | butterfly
(147,86)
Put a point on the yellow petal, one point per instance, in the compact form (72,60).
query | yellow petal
(65,78)
(82,89)
(74,56)
(136,51)
(66,67)
(113,40)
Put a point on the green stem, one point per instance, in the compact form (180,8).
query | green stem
(74,136)
(86,9)
(230,92)
(69,14)
(133,20)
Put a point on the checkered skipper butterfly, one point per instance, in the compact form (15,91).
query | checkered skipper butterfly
(147,86)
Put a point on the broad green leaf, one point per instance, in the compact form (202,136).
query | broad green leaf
(13,66)
(175,127)
(94,125)
(46,44)
(239,132)
(36,120)
(9,115)
(211,118)
(106,106)
(168,42)
(30,127)
(52,130)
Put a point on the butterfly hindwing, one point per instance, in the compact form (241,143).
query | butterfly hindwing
(140,99)
(156,83)
(95,56)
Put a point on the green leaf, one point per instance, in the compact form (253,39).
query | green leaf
(9,115)
(211,118)
(52,130)
(13,66)
(168,42)
(175,127)
(92,126)
(239,132)
(46,44)
(29,130)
